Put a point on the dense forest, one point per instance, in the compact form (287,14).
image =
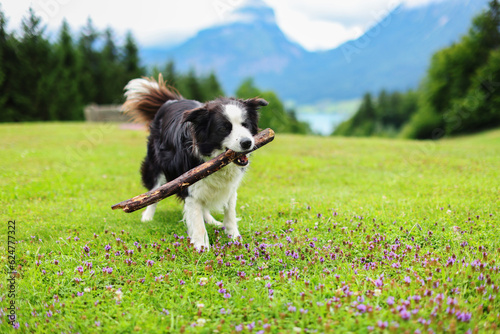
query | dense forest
(460,94)
(383,116)
(44,79)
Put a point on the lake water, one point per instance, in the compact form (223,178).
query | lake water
(323,123)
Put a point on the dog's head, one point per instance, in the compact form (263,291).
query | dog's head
(225,124)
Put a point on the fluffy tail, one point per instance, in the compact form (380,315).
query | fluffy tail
(145,96)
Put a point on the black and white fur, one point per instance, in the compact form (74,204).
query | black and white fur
(186,133)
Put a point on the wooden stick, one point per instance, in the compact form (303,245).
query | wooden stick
(191,176)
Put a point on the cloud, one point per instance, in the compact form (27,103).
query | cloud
(314,33)
(315,24)
(151,21)
(416,3)
(321,25)
(348,13)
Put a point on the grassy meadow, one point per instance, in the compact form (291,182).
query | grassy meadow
(339,235)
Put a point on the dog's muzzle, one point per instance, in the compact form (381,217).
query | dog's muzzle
(241,161)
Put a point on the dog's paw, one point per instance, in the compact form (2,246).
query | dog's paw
(233,234)
(146,218)
(210,220)
(199,245)
(149,213)
(201,241)
(214,222)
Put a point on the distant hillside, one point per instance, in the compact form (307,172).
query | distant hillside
(250,47)
(393,54)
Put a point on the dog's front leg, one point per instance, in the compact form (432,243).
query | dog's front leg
(230,220)
(193,216)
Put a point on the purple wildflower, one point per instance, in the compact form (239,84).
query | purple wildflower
(361,308)
(382,324)
(464,316)
(405,315)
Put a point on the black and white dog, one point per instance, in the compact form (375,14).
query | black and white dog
(186,133)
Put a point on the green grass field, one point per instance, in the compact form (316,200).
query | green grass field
(339,235)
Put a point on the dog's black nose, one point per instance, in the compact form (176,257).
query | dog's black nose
(246,143)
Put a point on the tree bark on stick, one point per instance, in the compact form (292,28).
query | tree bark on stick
(191,176)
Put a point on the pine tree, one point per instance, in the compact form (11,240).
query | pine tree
(273,116)
(89,59)
(363,123)
(68,100)
(35,78)
(383,108)
(486,27)
(3,42)
(409,105)
(211,87)
(192,88)
(247,89)
(452,78)
(131,61)
(110,71)
(3,69)
(10,67)
(365,118)
(170,74)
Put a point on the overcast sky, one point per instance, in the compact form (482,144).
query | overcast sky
(315,24)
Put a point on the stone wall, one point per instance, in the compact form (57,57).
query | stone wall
(105,113)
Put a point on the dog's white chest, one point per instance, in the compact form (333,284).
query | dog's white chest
(215,190)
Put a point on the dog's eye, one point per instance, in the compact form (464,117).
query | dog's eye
(227,126)
(246,124)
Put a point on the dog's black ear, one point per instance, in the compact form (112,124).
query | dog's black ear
(256,102)
(253,105)
(196,116)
